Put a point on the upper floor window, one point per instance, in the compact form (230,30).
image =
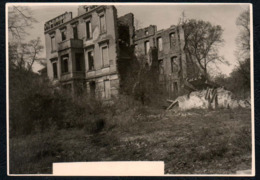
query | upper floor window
(172,39)
(146,32)
(75,32)
(88,30)
(63,34)
(90,60)
(159,44)
(102,23)
(147,47)
(104,55)
(64,64)
(53,43)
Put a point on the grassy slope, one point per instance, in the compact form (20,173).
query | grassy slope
(195,141)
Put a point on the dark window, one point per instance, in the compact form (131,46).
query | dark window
(64,64)
(92,87)
(75,32)
(174,66)
(175,87)
(90,60)
(88,30)
(79,61)
(55,72)
(63,35)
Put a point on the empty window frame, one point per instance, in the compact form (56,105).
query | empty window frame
(172,39)
(55,70)
(159,44)
(65,64)
(146,32)
(105,56)
(88,30)
(90,55)
(102,20)
(161,69)
(174,65)
(147,47)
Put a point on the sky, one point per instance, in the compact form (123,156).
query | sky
(162,15)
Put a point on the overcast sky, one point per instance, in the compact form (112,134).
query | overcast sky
(161,15)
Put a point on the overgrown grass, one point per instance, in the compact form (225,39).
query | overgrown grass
(196,141)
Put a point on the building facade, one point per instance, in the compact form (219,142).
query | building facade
(83,52)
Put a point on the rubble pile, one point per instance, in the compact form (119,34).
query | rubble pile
(208,98)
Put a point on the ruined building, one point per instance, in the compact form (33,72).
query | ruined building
(83,52)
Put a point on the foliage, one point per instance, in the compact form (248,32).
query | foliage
(36,105)
(141,76)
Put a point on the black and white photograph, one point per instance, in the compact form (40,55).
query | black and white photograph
(130,89)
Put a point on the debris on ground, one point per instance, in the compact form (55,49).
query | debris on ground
(211,98)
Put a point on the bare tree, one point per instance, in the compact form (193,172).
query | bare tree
(202,40)
(243,39)
(19,19)
(24,55)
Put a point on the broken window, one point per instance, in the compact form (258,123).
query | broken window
(172,39)
(161,69)
(88,30)
(102,24)
(159,44)
(90,60)
(104,54)
(55,70)
(64,64)
(174,65)
(147,47)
